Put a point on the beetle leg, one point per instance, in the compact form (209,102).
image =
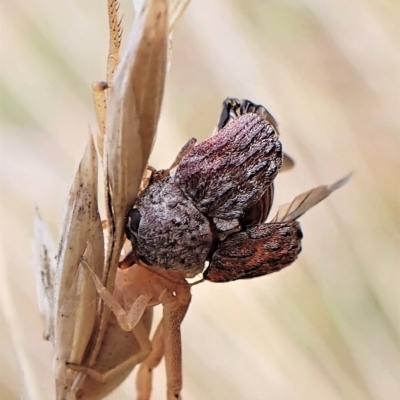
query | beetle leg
(145,348)
(145,374)
(183,152)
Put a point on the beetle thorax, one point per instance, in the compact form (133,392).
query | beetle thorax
(166,229)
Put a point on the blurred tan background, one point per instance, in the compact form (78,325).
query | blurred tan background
(329,71)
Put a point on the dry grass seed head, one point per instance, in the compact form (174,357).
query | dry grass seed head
(67,295)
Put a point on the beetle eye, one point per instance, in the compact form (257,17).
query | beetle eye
(134,220)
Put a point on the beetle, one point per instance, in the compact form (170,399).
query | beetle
(212,207)
(180,221)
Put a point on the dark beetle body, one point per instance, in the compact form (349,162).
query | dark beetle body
(172,233)
(234,108)
(228,173)
(211,207)
(256,251)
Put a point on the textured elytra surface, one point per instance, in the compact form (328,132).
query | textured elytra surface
(230,172)
(234,108)
(169,232)
(259,250)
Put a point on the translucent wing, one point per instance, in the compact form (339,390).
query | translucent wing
(304,201)
(257,251)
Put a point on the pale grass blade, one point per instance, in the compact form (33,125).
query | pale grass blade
(75,296)
(44,262)
(134,103)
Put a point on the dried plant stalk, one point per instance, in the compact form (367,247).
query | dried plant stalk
(75,298)
(82,331)
(133,110)
(44,259)
(99,92)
